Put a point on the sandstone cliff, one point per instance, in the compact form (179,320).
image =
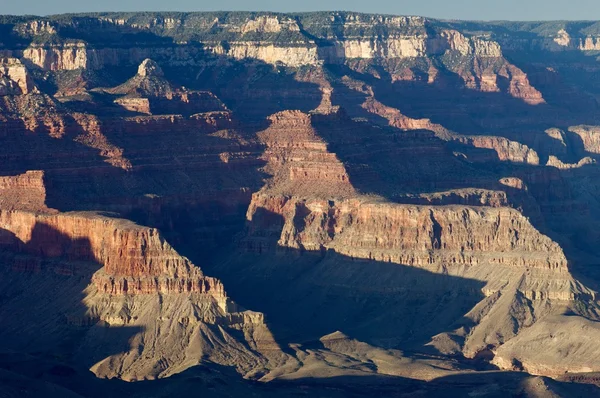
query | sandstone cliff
(427,189)
(138,282)
(15,77)
(525,275)
(302,41)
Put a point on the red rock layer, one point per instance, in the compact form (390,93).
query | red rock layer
(505,149)
(24,192)
(299,159)
(422,236)
(136,259)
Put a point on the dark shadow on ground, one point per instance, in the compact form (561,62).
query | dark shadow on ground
(306,295)
(399,166)
(42,309)
(465,111)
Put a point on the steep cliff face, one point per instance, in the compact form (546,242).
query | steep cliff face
(419,185)
(64,57)
(309,40)
(525,276)
(139,281)
(131,163)
(299,157)
(420,236)
(24,191)
(133,257)
(589,136)
(15,77)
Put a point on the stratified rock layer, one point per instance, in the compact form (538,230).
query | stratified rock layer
(139,281)
(413,184)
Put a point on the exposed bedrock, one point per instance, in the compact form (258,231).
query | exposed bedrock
(421,236)
(298,230)
(523,276)
(384,189)
(192,176)
(477,59)
(137,308)
(14,78)
(23,192)
(135,259)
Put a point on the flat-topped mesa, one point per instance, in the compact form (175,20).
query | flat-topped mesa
(436,238)
(14,78)
(135,259)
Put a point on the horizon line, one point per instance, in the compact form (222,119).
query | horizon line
(295,13)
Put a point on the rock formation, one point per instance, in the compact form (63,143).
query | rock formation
(15,77)
(138,280)
(395,199)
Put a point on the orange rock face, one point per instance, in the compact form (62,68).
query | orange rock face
(426,186)
(25,192)
(15,78)
(419,236)
(135,260)
(300,159)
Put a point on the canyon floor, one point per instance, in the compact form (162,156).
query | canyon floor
(323,204)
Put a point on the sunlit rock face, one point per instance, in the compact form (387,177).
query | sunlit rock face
(319,196)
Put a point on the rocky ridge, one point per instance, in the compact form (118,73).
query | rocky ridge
(422,187)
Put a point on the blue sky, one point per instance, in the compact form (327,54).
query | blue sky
(449,9)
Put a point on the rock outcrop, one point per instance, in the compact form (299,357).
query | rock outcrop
(150,93)
(24,192)
(304,41)
(135,260)
(426,188)
(139,281)
(417,236)
(14,78)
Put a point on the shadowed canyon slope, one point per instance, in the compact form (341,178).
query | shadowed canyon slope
(332,204)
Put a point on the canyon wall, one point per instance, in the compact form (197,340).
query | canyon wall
(414,184)
(139,281)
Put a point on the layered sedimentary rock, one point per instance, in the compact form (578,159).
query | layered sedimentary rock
(589,136)
(15,78)
(135,260)
(131,163)
(25,192)
(308,40)
(418,236)
(150,93)
(525,275)
(64,57)
(414,184)
(507,150)
(139,281)
(299,157)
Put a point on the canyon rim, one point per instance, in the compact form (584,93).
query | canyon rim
(324,204)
